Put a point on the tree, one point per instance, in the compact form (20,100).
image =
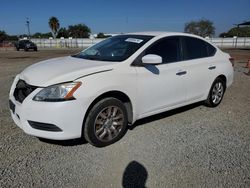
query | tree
(37,35)
(202,28)
(54,25)
(12,37)
(102,35)
(237,31)
(79,31)
(42,35)
(63,32)
(3,36)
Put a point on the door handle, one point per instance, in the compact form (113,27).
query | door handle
(212,67)
(180,73)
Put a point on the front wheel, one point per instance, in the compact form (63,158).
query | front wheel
(106,122)
(216,93)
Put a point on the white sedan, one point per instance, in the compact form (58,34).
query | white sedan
(99,92)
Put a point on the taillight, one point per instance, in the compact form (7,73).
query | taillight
(231,59)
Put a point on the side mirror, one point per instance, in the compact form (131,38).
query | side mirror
(152,59)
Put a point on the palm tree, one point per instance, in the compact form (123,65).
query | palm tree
(54,25)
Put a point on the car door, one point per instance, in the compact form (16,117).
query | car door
(161,86)
(200,67)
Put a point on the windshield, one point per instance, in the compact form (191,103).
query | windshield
(116,48)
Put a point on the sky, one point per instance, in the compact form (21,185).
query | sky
(116,16)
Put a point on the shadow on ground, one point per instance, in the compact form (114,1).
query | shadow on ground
(72,142)
(164,115)
(135,175)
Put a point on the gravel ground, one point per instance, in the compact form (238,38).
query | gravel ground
(194,146)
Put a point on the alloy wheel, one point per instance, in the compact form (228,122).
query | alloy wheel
(109,123)
(217,92)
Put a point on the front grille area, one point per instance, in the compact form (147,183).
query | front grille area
(22,90)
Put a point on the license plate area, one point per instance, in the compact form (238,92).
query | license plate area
(12,106)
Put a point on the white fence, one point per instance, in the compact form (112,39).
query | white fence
(65,43)
(240,42)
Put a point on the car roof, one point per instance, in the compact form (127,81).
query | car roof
(150,33)
(163,33)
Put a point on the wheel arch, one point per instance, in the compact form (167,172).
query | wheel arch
(115,94)
(221,76)
(224,78)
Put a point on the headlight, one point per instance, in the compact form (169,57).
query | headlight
(59,92)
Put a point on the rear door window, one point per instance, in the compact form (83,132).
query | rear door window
(210,50)
(194,48)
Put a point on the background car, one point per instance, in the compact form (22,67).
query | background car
(26,45)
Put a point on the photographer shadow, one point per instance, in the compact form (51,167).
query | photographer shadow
(135,175)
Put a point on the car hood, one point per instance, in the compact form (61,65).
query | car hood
(63,69)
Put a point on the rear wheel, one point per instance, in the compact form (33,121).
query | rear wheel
(216,93)
(106,122)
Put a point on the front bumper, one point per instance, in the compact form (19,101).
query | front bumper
(67,116)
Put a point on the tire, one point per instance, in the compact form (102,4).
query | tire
(35,49)
(106,122)
(216,93)
(17,49)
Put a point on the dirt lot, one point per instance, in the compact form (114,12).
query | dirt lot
(194,146)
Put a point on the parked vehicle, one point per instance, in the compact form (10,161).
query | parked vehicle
(99,92)
(26,45)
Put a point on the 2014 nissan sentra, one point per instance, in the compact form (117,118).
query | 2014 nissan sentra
(99,92)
